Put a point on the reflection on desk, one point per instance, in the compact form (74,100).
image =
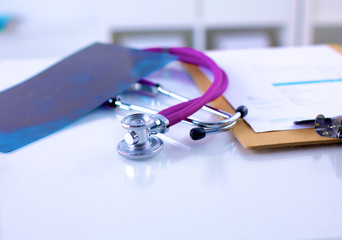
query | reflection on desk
(73,185)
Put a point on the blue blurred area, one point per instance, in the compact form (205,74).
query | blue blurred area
(5,21)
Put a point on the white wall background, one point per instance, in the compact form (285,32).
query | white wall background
(46,28)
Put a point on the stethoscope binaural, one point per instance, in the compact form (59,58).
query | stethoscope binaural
(140,141)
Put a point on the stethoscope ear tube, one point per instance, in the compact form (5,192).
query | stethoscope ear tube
(201,132)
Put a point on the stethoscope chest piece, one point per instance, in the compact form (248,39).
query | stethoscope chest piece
(138,142)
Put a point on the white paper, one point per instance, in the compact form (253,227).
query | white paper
(282,85)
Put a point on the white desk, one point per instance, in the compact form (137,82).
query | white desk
(73,185)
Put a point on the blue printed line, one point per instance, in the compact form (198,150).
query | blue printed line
(307,82)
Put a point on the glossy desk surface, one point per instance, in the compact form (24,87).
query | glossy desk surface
(73,185)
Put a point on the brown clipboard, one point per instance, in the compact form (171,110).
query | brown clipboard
(252,140)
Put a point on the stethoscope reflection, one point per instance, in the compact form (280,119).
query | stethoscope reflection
(139,176)
(142,173)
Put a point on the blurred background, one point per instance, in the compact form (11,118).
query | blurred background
(45,28)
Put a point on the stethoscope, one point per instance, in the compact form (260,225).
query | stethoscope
(140,141)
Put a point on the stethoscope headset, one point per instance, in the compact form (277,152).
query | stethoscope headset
(140,141)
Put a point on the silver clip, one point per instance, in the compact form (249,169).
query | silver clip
(329,127)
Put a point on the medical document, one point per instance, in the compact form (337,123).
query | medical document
(283,85)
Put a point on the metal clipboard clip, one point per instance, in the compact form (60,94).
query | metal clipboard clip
(329,127)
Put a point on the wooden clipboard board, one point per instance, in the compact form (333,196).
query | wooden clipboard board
(252,140)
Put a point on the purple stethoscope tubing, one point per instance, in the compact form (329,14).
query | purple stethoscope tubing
(181,111)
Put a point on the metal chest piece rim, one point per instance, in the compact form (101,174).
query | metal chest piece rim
(138,143)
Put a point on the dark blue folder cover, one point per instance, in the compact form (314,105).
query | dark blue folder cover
(70,89)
